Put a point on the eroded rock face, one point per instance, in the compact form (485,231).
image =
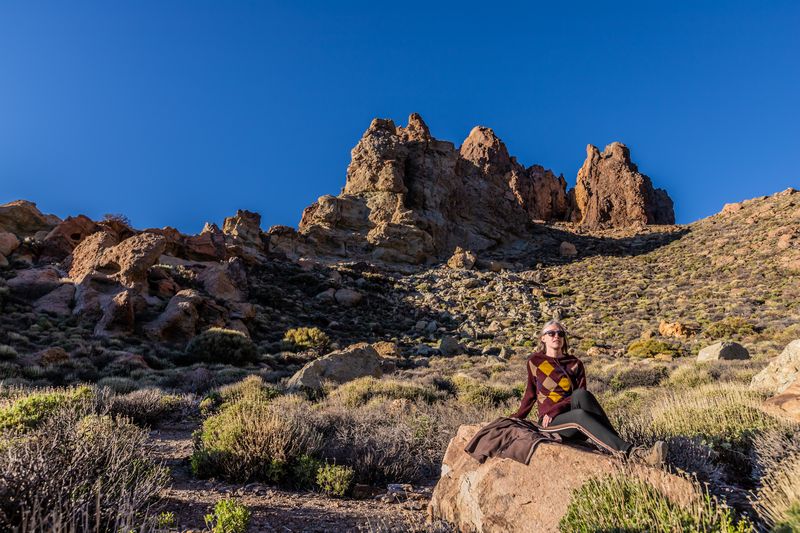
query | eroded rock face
(126,262)
(611,192)
(411,198)
(178,322)
(63,239)
(503,495)
(245,226)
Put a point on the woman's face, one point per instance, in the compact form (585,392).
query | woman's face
(553,337)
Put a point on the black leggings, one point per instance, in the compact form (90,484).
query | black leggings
(587,420)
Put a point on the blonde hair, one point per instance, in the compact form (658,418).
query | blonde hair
(541,347)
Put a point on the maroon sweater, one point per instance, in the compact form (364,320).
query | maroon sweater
(550,383)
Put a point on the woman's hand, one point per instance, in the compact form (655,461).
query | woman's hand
(546,421)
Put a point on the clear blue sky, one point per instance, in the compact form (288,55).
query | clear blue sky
(174,113)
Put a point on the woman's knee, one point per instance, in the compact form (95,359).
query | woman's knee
(580,395)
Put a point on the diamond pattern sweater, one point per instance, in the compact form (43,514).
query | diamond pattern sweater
(550,384)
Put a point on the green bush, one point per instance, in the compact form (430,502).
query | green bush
(229,516)
(304,471)
(361,391)
(253,439)
(252,387)
(624,503)
(729,327)
(306,338)
(651,348)
(28,411)
(219,345)
(335,480)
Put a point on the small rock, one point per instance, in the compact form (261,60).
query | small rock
(567,249)
(348,297)
(462,259)
(448,345)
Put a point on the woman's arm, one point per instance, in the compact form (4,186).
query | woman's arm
(529,398)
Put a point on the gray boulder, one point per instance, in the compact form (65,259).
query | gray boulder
(725,350)
(355,361)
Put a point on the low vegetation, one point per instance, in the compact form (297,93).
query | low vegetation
(219,345)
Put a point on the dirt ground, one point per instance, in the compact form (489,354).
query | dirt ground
(273,509)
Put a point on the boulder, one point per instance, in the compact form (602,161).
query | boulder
(462,259)
(348,297)
(24,219)
(178,322)
(3,261)
(504,495)
(355,361)
(787,403)
(567,249)
(780,373)
(33,283)
(677,329)
(8,243)
(208,246)
(224,281)
(611,192)
(448,345)
(725,350)
(63,239)
(56,302)
(119,313)
(125,262)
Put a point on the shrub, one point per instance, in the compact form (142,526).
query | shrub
(306,338)
(728,327)
(166,520)
(691,375)
(117,384)
(471,391)
(28,411)
(254,439)
(75,470)
(148,406)
(304,471)
(623,502)
(651,348)
(219,345)
(252,387)
(638,376)
(778,500)
(7,352)
(361,391)
(335,480)
(229,516)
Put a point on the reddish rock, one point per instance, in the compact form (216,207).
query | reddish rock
(24,219)
(611,192)
(63,239)
(207,246)
(8,243)
(786,403)
(245,226)
(178,322)
(119,313)
(125,262)
(462,259)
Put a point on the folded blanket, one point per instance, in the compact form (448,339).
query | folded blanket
(510,438)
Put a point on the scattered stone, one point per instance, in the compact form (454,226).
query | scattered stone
(725,350)
(353,362)
(462,259)
(448,346)
(780,373)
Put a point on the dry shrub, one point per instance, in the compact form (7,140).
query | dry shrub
(638,376)
(471,391)
(251,387)
(691,375)
(624,502)
(149,406)
(651,348)
(78,473)
(254,439)
(363,390)
(778,499)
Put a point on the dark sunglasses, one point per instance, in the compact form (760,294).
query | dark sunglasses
(554,332)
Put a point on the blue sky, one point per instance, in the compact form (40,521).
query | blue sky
(174,113)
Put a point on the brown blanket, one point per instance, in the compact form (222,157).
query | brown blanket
(510,438)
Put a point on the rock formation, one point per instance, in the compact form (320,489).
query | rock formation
(611,192)
(411,198)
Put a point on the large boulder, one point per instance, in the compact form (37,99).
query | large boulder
(725,350)
(355,361)
(781,372)
(8,243)
(125,262)
(787,403)
(504,495)
(611,192)
(179,321)
(24,219)
(63,239)
(56,302)
(244,226)
(32,283)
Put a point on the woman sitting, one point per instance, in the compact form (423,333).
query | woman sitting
(557,382)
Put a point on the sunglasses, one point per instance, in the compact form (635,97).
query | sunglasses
(554,332)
